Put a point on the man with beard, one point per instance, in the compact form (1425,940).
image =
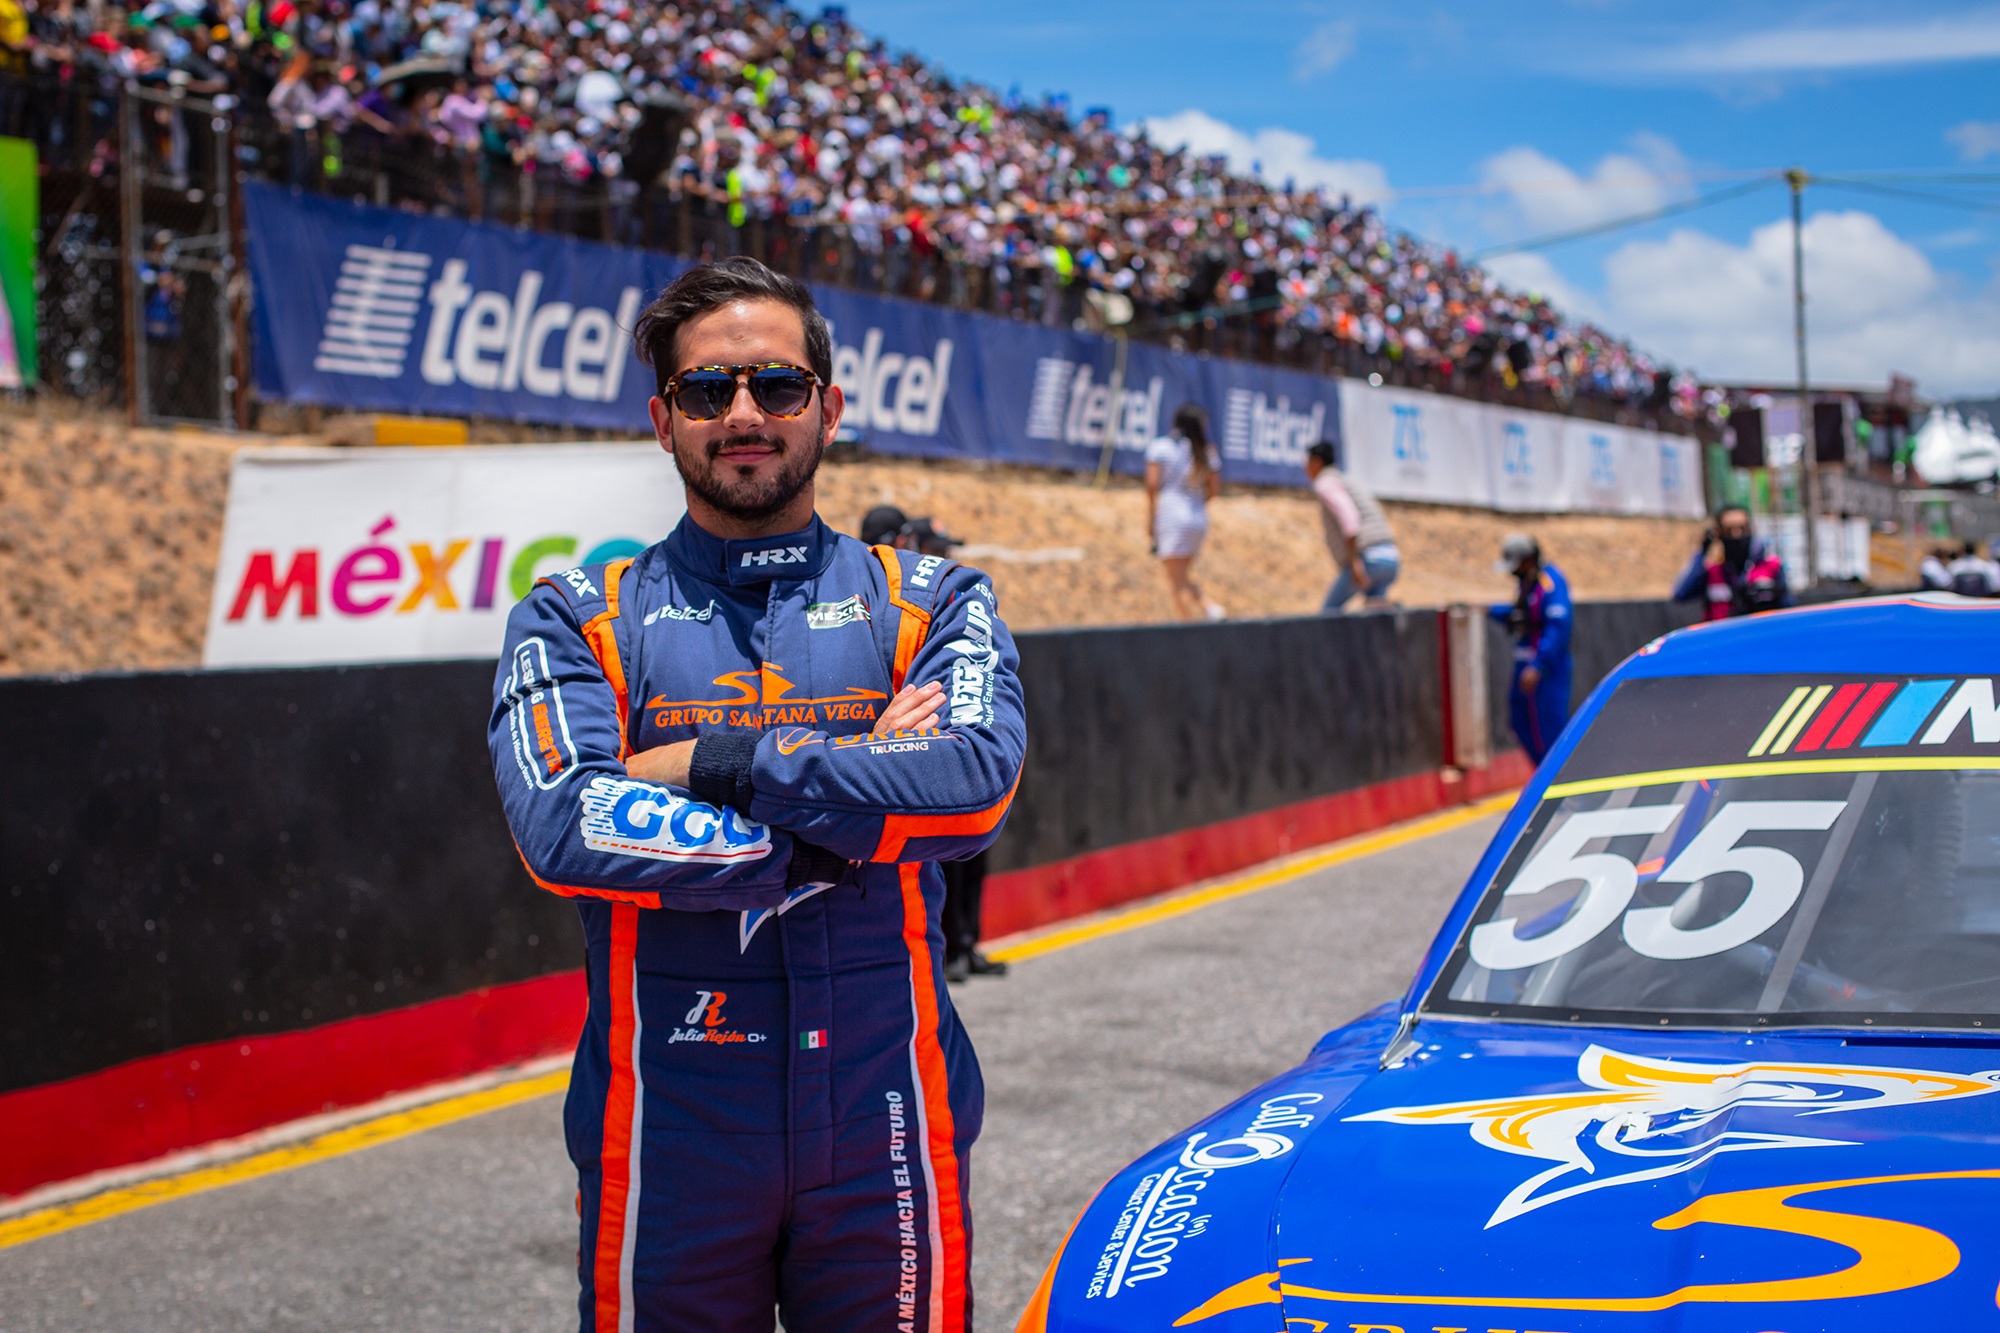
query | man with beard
(742,751)
(1734,573)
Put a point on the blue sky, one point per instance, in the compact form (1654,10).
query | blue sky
(1479,125)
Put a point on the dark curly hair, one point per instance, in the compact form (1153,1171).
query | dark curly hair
(707,287)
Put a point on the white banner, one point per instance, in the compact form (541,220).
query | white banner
(1409,445)
(380,555)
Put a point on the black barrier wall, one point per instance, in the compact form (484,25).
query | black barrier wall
(1139,731)
(188,857)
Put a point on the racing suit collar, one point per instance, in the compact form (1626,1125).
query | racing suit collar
(789,556)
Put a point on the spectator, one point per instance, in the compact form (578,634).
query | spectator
(1734,573)
(1935,571)
(1357,534)
(1973,575)
(1540,619)
(816,122)
(881,525)
(1183,473)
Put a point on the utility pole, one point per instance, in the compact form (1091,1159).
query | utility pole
(1808,447)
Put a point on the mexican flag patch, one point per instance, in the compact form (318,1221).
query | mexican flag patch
(812,1041)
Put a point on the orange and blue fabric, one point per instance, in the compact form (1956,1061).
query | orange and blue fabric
(1538,715)
(773,1102)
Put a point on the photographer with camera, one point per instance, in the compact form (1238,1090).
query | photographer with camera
(1539,619)
(1734,573)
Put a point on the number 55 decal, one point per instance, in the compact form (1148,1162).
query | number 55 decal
(1610,880)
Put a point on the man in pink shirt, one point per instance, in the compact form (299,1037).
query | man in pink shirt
(1357,534)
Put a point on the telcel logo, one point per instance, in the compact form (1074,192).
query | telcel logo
(489,341)
(866,375)
(1264,432)
(1065,405)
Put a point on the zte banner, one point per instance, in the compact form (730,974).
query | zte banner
(1408,445)
(333,555)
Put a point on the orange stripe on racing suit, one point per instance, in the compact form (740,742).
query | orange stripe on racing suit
(618,1193)
(949,1250)
(600,636)
(599,632)
(897,830)
(635,897)
(913,627)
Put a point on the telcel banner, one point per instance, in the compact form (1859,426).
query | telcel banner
(374,309)
(333,555)
(1408,445)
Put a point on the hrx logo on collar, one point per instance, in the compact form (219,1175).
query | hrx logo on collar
(774,555)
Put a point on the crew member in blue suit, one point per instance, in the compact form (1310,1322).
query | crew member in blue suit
(742,753)
(1538,698)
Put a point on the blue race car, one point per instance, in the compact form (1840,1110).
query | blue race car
(1709,1042)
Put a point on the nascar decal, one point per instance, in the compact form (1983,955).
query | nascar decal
(833,615)
(536,722)
(635,818)
(1879,713)
(1642,1119)
(971,681)
(1165,1205)
(1672,723)
(1894,1255)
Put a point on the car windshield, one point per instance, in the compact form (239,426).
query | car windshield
(1755,851)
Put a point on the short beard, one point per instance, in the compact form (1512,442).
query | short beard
(752,500)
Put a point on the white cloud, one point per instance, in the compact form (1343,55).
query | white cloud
(1977,140)
(1276,154)
(1793,50)
(1545,195)
(1875,304)
(1534,275)
(1323,49)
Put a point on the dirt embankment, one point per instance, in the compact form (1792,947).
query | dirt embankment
(108,541)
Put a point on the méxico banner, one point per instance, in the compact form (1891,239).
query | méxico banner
(383,555)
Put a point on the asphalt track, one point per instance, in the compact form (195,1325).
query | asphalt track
(1093,1052)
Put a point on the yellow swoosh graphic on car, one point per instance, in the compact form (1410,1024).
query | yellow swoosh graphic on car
(1892,1256)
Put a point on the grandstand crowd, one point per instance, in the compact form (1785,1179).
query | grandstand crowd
(785,119)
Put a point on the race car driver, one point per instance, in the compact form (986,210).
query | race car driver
(741,751)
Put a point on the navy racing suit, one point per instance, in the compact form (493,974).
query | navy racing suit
(1541,620)
(772,1101)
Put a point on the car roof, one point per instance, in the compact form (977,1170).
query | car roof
(1929,633)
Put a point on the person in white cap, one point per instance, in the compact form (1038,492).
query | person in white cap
(1539,616)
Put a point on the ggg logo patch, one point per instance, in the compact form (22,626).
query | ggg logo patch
(639,819)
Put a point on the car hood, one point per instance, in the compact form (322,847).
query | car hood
(1520,1177)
